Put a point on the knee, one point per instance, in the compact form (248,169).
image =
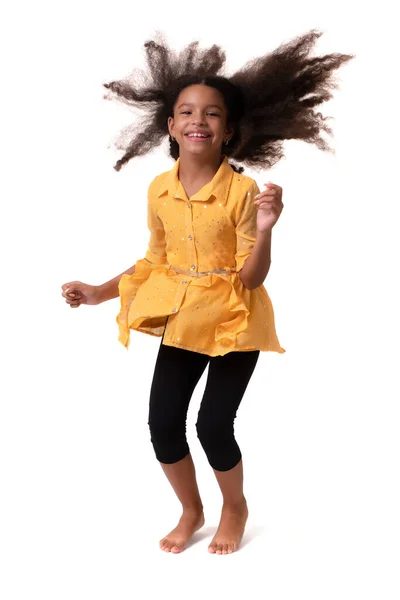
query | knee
(168,440)
(218,442)
(213,432)
(164,430)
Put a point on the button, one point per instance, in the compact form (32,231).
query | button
(174,310)
(193,267)
(190,238)
(184,281)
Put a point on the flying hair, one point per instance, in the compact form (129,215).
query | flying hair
(271,99)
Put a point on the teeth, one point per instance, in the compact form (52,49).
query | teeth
(197,135)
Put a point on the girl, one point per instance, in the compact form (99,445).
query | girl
(200,285)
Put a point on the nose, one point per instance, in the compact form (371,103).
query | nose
(198,118)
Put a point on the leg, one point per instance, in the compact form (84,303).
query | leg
(175,376)
(182,478)
(228,377)
(234,511)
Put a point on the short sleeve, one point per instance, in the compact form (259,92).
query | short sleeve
(156,249)
(246,226)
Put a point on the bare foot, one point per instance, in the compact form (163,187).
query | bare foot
(177,540)
(230,530)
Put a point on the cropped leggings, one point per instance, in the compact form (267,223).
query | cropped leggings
(176,375)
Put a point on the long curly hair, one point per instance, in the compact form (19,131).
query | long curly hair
(270,99)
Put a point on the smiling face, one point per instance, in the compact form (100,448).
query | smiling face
(199,124)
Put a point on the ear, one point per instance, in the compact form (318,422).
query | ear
(171,126)
(230,130)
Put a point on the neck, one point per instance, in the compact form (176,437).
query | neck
(194,167)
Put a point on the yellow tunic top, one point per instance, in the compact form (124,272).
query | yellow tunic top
(188,285)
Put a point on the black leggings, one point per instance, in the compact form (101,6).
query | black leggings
(176,375)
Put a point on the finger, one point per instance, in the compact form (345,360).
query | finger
(274,188)
(67,296)
(66,286)
(267,196)
(74,294)
(271,185)
(265,201)
(269,192)
(74,300)
(268,206)
(75,305)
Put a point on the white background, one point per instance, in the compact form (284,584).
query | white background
(83,500)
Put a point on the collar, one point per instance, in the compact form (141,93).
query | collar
(218,187)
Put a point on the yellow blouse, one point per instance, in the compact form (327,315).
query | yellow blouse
(188,286)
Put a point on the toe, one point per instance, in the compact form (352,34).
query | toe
(176,549)
(225,549)
(166,545)
(211,548)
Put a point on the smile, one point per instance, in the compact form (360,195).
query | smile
(198,137)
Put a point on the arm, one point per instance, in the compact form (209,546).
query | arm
(109,290)
(259,214)
(257,265)
(253,247)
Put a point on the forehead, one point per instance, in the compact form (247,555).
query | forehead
(201,95)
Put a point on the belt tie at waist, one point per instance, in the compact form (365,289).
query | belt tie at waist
(203,273)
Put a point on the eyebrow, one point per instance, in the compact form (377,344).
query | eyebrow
(208,105)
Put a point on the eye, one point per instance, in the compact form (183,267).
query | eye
(185,112)
(214,114)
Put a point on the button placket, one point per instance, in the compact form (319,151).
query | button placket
(191,250)
(179,295)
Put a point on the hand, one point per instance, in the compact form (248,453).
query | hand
(77,293)
(269,204)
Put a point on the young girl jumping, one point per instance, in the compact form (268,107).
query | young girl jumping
(200,285)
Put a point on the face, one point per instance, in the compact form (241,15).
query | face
(199,124)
